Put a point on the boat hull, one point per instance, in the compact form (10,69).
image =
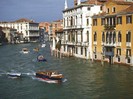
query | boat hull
(48,78)
(14,75)
(41,58)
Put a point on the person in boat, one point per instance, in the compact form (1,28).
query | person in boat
(36,49)
(41,58)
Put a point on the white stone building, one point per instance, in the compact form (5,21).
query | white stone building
(28,28)
(77,35)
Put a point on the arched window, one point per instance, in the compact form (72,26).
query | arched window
(95,36)
(119,36)
(67,22)
(71,21)
(103,37)
(107,36)
(128,37)
(110,37)
(114,37)
(87,36)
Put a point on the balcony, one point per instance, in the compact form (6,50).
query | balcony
(118,44)
(95,42)
(70,43)
(117,55)
(109,53)
(109,27)
(128,44)
(34,28)
(110,44)
(128,56)
(85,43)
(34,35)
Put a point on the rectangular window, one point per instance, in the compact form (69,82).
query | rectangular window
(128,37)
(102,21)
(89,8)
(76,50)
(87,36)
(119,59)
(129,19)
(85,51)
(113,9)
(107,10)
(87,22)
(118,51)
(119,20)
(128,52)
(94,22)
(95,36)
(128,60)
(81,50)
(81,36)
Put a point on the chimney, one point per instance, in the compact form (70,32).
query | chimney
(75,2)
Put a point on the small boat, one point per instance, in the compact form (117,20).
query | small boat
(36,49)
(43,45)
(50,76)
(14,75)
(41,58)
(25,50)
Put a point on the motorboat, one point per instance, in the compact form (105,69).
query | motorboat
(25,50)
(50,76)
(41,58)
(43,45)
(14,75)
(36,49)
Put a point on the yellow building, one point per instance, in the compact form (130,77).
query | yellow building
(112,33)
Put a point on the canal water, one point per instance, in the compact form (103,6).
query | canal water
(83,79)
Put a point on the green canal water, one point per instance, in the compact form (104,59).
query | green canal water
(83,79)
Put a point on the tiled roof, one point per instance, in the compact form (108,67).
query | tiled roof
(127,10)
(123,3)
(24,20)
(86,3)
(99,15)
(92,2)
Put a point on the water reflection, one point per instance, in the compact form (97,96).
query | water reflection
(84,79)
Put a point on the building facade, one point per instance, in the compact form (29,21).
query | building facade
(112,38)
(77,28)
(28,28)
(55,26)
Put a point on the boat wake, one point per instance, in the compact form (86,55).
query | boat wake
(64,80)
(29,74)
(47,81)
(32,75)
(22,74)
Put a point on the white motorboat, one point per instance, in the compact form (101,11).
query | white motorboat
(14,75)
(43,45)
(25,50)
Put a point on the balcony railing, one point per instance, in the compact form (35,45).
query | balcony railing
(110,44)
(95,42)
(32,35)
(109,53)
(70,43)
(118,44)
(128,56)
(128,44)
(109,27)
